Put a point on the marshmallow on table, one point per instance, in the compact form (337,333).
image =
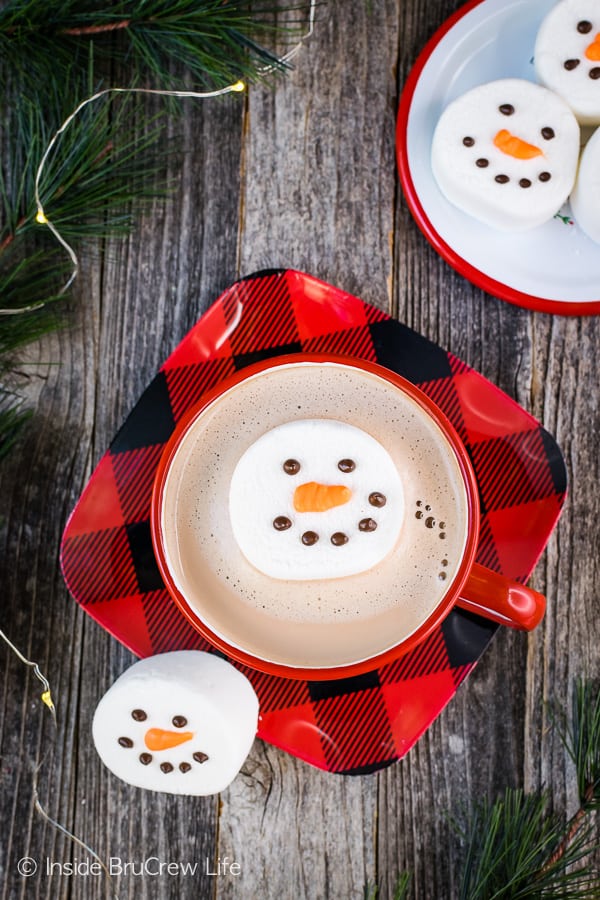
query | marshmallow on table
(585,199)
(567,56)
(181,723)
(506,153)
(315,498)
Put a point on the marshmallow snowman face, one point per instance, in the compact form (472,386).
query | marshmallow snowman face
(567,56)
(506,153)
(315,498)
(585,199)
(180,723)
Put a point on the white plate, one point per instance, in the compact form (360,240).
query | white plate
(554,268)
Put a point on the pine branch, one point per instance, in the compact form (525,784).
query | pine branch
(512,853)
(371,892)
(215,42)
(51,57)
(581,737)
(517,848)
(12,420)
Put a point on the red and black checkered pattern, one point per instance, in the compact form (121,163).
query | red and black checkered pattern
(352,725)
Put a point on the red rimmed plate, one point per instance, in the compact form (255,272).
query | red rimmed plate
(554,268)
(351,725)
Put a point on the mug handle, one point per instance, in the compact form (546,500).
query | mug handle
(498,598)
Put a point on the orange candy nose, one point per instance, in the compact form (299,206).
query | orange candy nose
(315,497)
(513,146)
(158,739)
(593,51)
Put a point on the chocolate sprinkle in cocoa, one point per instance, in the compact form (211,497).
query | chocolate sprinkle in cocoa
(309,538)
(584,27)
(377,499)
(367,525)
(179,721)
(125,742)
(291,466)
(571,64)
(200,757)
(346,465)
(184,767)
(145,759)
(339,539)
(507,109)
(139,715)
(166,767)
(282,523)
(429,522)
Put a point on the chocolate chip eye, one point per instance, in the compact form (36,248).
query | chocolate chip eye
(571,64)
(126,742)
(469,141)
(309,538)
(139,715)
(595,73)
(346,465)
(200,757)
(179,721)
(502,179)
(184,767)
(367,525)
(548,133)
(584,27)
(482,163)
(507,109)
(145,759)
(291,466)
(166,767)
(525,183)
(282,523)
(545,176)
(377,499)
(339,539)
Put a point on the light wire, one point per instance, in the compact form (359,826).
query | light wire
(42,218)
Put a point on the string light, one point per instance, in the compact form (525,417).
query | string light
(237,87)
(41,218)
(46,698)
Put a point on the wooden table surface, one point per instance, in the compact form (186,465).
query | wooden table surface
(298,175)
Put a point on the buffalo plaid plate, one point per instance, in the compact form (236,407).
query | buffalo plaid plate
(352,725)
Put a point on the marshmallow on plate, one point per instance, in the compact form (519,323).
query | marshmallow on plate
(585,199)
(181,723)
(315,498)
(567,56)
(506,153)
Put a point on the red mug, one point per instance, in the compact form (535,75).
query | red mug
(334,624)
